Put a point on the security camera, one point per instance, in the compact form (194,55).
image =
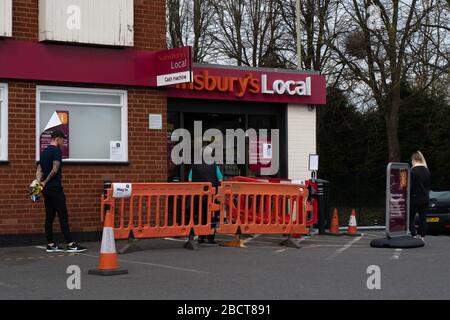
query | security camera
(311,107)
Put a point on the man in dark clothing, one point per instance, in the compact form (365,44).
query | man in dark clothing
(205,173)
(420,193)
(49,175)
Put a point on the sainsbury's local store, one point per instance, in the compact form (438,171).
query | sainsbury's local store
(226,97)
(105,93)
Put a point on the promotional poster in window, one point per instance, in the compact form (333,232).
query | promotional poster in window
(59,120)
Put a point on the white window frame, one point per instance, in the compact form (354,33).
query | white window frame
(124,115)
(4,124)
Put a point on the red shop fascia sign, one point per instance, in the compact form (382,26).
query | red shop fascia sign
(253,85)
(40,61)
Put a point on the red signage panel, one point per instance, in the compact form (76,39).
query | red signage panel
(256,85)
(174,66)
(29,60)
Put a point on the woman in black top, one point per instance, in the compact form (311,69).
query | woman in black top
(420,193)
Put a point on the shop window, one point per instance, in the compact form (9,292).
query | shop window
(95,121)
(3,122)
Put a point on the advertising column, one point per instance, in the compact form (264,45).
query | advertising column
(397,199)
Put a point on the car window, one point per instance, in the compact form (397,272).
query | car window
(440,196)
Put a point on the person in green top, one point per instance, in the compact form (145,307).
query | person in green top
(206,173)
(218,174)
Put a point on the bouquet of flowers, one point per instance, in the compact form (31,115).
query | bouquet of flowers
(35,190)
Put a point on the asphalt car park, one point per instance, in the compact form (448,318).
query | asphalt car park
(325,267)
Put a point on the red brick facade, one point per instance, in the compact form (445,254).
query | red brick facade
(83,183)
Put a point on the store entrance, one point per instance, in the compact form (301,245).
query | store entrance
(221,122)
(242,118)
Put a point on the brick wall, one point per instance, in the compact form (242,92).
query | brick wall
(83,183)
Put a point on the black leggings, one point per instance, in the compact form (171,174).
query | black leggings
(421,210)
(55,202)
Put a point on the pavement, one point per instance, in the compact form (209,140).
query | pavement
(325,267)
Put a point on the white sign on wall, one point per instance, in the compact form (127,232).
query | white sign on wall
(5,18)
(115,150)
(155,121)
(122,190)
(104,22)
(313,162)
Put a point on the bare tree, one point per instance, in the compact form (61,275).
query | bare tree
(320,26)
(249,32)
(366,48)
(189,23)
(377,52)
(228,29)
(176,19)
(428,59)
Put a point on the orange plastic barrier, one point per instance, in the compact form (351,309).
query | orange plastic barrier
(260,208)
(311,204)
(156,210)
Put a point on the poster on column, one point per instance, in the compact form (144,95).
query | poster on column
(397,199)
(58,121)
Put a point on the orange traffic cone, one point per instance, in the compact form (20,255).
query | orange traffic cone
(352,227)
(334,226)
(108,264)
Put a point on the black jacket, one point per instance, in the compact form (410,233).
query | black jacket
(420,185)
(205,173)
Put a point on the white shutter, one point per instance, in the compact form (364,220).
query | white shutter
(103,22)
(5,18)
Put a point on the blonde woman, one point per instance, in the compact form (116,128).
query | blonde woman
(420,193)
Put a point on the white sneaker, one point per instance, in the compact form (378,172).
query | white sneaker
(75,248)
(54,248)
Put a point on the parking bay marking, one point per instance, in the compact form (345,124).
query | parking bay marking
(310,245)
(152,264)
(334,240)
(252,238)
(345,247)
(245,241)
(7,285)
(396,255)
(176,240)
(36,258)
